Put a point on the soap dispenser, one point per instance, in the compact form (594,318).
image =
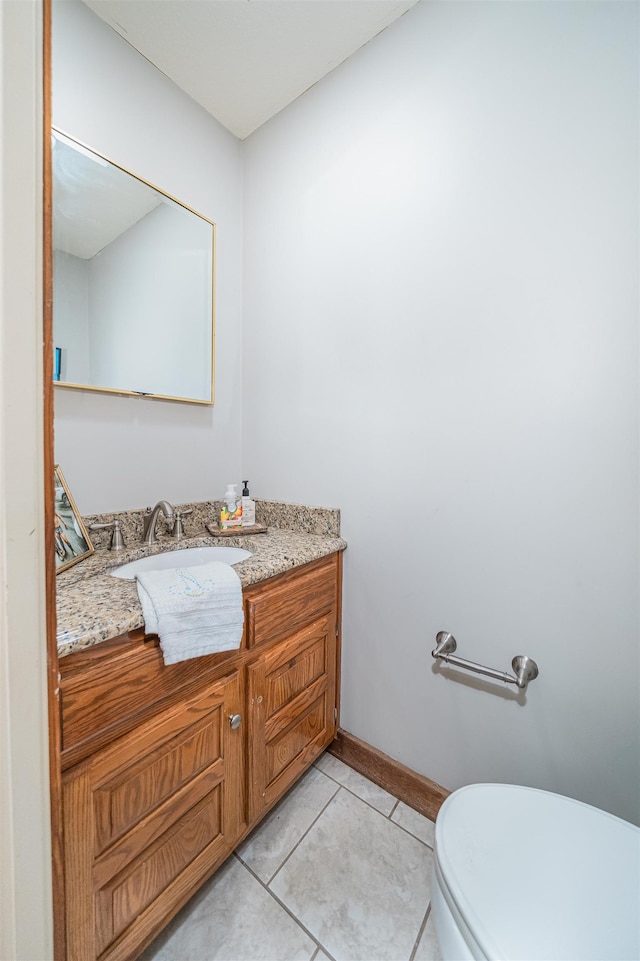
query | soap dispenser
(248,507)
(231,511)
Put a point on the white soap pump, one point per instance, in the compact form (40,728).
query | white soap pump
(231,498)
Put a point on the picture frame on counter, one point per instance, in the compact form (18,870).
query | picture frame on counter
(71,539)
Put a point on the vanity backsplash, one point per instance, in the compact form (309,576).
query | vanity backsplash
(292,517)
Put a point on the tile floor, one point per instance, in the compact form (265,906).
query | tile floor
(339,870)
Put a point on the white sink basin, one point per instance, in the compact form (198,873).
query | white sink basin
(190,557)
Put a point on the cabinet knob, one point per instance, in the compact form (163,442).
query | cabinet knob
(235,720)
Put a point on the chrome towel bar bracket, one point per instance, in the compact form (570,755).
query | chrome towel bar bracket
(525,667)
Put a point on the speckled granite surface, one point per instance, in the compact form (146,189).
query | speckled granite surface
(292,517)
(94,606)
(296,517)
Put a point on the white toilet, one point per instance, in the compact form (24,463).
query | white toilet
(525,875)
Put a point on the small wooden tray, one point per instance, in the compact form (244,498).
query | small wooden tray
(236,531)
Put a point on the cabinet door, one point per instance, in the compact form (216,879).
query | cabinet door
(147,819)
(292,710)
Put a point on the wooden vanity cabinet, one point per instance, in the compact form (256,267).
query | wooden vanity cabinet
(152,807)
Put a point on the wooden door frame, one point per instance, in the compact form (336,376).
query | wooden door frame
(53,705)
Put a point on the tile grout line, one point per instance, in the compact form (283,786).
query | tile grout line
(320,952)
(319,945)
(314,822)
(275,808)
(421,931)
(300,839)
(412,835)
(265,885)
(389,816)
(364,801)
(303,836)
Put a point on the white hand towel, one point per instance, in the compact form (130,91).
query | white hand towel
(193,610)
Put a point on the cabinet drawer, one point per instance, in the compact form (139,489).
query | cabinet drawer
(280,609)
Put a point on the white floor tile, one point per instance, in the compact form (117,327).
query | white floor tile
(428,949)
(232,918)
(358,883)
(378,798)
(274,838)
(416,824)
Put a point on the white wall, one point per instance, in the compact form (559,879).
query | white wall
(150,306)
(119,452)
(71,315)
(25,843)
(441,338)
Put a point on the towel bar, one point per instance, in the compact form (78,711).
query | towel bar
(525,667)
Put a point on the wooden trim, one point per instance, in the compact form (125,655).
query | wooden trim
(339,573)
(53,697)
(80,923)
(420,793)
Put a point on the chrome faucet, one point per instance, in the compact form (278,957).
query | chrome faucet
(151,519)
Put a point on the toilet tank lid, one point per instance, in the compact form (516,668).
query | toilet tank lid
(538,875)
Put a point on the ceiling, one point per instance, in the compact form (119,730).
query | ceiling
(244,60)
(94,200)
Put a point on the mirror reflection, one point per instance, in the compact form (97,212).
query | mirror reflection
(133,274)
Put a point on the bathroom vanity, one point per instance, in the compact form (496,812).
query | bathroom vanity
(165,769)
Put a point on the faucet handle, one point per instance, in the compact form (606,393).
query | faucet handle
(117,540)
(178,526)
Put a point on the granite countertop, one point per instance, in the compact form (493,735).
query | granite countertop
(93,606)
